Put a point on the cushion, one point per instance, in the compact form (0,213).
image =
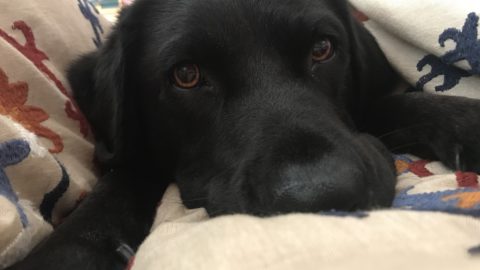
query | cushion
(388,239)
(46,150)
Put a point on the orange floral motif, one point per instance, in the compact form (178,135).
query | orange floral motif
(13,97)
(37,57)
(401,166)
(466,200)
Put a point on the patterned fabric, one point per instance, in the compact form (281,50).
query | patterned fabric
(46,151)
(91,13)
(467,47)
(429,186)
(37,57)
(389,239)
(11,153)
(434,44)
(12,103)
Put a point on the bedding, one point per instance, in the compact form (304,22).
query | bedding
(388,239)
(46,154)
(46,151)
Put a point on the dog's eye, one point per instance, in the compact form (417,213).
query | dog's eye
(186,76)
(322,50)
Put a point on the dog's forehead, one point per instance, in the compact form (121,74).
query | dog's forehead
(240,17)
(228,33)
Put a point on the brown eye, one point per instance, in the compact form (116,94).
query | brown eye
(322,51)
(186,76)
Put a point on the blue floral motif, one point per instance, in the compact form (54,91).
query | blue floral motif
(50,199)
(436,201)
(11,153)
(88,10)
(467,48)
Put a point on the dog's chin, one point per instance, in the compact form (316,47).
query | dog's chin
(363,179)
(214,210)
(375,202)
(375,198)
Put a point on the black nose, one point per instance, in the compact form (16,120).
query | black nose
(334,183)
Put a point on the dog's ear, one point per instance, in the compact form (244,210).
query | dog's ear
(372,75)
(99,85)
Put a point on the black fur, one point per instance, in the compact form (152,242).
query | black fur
(268,132)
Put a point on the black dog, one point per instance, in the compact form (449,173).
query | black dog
(259,107)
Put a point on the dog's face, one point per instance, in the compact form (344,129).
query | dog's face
(250,106)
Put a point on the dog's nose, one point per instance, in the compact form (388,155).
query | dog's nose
(333,184)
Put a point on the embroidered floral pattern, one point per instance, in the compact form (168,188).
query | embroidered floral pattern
(11,153)
(13,97)
(88,11)
(464,199)
(51,198)
(467,48)
(37,57)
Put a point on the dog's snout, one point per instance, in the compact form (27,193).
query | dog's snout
(331,184)
(311,170)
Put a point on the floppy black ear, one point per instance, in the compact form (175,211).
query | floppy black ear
(98,81)
(372,75)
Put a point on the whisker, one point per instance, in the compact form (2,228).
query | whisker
(400,130)
(402,146)
(193,200)
(185,201)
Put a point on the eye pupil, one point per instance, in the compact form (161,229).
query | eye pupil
(186,76)
(322,51)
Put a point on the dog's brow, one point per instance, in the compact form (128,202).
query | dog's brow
(324,24)
(214,42)
(170,51)
(188,46)
(167,53)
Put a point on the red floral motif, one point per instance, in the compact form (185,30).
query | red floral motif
(130,263)
(12,103)
(359,16)
(32,53)
(467,180)
(83,195)
(419,168)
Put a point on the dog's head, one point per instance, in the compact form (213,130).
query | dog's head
(250,106)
